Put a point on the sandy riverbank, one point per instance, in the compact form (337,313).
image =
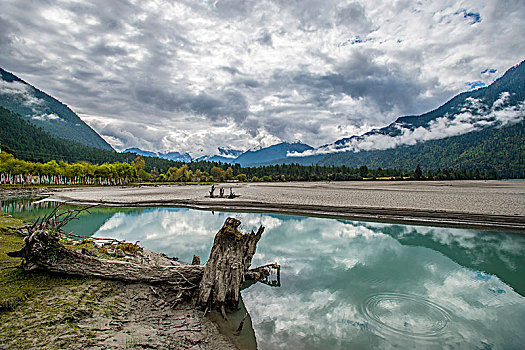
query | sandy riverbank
(482,204)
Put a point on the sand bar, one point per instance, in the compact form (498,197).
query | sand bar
(481,204)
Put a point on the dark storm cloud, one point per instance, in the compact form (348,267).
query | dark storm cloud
(5,36)
(248,83)
(231,70)
(228,104)
(387,87)
(83,74)
(354,16)
(103,49)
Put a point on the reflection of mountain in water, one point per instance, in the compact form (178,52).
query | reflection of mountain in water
(495,253)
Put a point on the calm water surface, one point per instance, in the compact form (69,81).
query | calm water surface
(349,284)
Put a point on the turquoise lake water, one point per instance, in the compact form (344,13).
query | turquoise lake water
(349,284)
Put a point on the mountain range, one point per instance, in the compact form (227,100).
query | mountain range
(175,156)
(480,129)
(460,129)
(483,128)
(255,157)
(499,104)
(226,155)
(28,142)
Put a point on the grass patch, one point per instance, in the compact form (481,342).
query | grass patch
(11,291)
(50,316)
(9,243)
(42,310)
(129,247)
(16,285)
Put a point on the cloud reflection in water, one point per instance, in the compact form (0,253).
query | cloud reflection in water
(331,269)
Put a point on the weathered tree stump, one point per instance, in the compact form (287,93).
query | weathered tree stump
(42,251)
(224,273)
(232,195)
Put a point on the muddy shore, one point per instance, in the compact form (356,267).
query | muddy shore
(476,204)
(99,314)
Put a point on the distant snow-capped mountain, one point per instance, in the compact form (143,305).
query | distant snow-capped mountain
(257,156)
(229,152)
(226,155)
(272,153)
(175,156)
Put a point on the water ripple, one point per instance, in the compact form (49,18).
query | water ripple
(406,314)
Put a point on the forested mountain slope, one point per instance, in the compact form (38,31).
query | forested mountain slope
(31,143)
(46,112)
(501,150)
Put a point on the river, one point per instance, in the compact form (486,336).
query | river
(348,284)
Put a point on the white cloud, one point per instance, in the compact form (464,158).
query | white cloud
(47,116)
(21,91)
(177,232)
(474,116)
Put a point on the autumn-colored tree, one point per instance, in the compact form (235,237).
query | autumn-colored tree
(198,175)
(138,163)
(229,173)
(182,173)
(242,177)
(217,173)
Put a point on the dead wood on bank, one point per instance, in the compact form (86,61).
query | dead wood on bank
(216,285)
(232,194)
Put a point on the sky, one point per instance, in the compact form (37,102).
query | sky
(191,76)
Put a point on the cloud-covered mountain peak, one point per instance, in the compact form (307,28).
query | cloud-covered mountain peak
(229,152)
(175,156)
(500,104)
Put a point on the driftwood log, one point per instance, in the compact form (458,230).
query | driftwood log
(42,250)
(216,285)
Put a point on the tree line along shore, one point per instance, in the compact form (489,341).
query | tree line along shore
(15,171)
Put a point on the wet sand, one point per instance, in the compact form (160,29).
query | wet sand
(480,204)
